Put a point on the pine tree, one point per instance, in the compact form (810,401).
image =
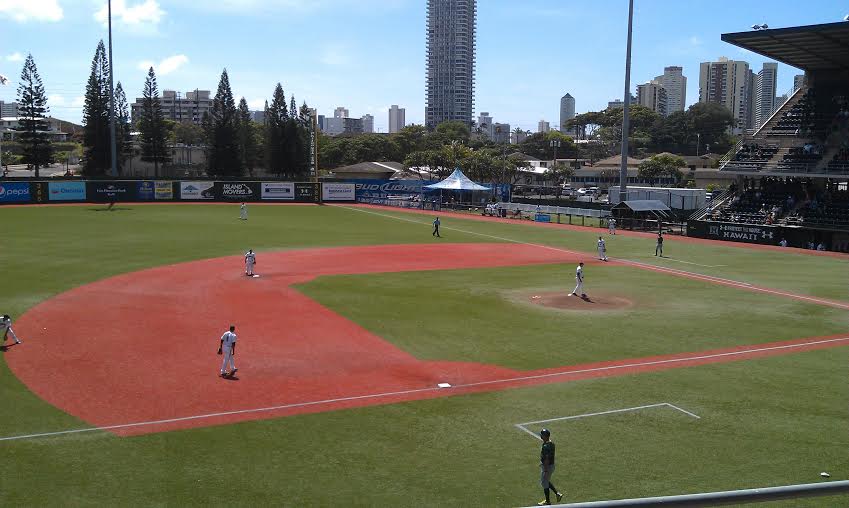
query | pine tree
(293,108)
(247,142)
(123,127)
(275,122)
(152,132)
(224,156)
(96,139)
(305,116)
(32,107)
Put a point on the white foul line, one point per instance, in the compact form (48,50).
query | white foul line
(429,389)
(673,271)
(521,426)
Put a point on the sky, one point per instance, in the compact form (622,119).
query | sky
(366,55)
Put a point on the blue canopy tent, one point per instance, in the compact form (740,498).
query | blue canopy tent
(457,181)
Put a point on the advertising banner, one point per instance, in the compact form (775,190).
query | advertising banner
(145,190)
(197,190)
(105,192)
(338,192)
(163,190)
(66,191)
(237,191)
(749,233)
(383,191)
(306,192)
(278,190)
(15,192)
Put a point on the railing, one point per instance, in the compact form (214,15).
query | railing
(729,497)
(730,153)
(791,95)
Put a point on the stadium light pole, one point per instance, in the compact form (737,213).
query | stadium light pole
(623,169)
(112,140)
(3,81)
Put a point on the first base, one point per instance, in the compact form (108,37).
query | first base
(444,385)
(255,276)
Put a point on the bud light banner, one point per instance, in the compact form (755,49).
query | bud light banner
(105,192)
(14,193)
(145,191)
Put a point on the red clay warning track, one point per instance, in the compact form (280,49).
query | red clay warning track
(139,348)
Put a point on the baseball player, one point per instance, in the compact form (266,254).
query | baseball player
(6,329)
(611,226)
(579,279)
(436,224)
(227,347)
(250,261)
(602,249)
(243,211)
(658,249)
(546,466)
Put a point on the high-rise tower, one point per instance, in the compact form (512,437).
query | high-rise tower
(450,61)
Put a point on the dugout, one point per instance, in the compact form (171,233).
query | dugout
(641,214)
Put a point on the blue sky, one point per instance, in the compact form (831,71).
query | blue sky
(368,54)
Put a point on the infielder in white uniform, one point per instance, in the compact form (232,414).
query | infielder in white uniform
(250,261)
(579,279)
(243,211)
(227,347)
(611,226)
(602,249)
(6,329)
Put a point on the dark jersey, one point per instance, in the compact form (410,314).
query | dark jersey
(660,240)
(547,453)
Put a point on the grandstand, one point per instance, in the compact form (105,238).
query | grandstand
(792,172)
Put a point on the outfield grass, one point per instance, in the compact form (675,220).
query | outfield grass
(764,422)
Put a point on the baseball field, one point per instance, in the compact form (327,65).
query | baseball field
(382,366)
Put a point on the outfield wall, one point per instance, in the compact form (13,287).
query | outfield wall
(162,191)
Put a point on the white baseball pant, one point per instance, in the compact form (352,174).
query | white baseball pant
(228,358)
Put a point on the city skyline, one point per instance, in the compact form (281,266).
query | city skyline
(363,71)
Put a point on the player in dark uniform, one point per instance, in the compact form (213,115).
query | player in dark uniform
(658,250)
(546,465)
(436,227)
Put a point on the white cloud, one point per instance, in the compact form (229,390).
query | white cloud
(335,54)
(32,10)
(256,104)
(15,57)
(55,100)
(143,13)
(78,102)
(166,66)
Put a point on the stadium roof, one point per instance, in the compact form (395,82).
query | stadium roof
(811,47)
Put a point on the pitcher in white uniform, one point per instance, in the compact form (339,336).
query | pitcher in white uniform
(579,279)
(243,211)
(227,347)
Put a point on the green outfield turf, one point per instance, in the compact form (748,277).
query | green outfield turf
(766,421)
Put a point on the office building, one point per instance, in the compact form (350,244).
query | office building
(798,81)
(518,136)
(501,132)
(675,83)
(653,96)
(567,111)
(343,125)
(485,124)
(340,112)
(396,119)
(450,61)
(618,103)
(729,83)
(543,126)
(764,94)
(368,123)
(177,108)
(8,109)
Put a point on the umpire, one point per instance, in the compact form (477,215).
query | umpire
(546,465)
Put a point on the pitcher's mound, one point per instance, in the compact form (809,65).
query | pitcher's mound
(562,300)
